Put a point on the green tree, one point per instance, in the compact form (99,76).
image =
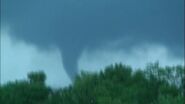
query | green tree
(25,92)
(38,77)
(116,84)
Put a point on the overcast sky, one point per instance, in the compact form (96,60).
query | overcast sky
(63,37)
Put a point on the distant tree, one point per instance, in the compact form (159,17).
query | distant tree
(38,77)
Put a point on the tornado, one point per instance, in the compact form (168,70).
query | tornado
(76,25)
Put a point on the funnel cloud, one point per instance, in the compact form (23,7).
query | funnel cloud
(77,25)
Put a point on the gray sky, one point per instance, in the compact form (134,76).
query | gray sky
(117,30)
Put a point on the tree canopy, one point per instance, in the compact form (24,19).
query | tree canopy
(116,84)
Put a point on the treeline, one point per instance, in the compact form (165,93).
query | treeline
(117,84)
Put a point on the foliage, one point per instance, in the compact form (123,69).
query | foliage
(37,77)
(117,84)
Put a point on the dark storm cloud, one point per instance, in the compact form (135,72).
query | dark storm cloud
(74,25)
